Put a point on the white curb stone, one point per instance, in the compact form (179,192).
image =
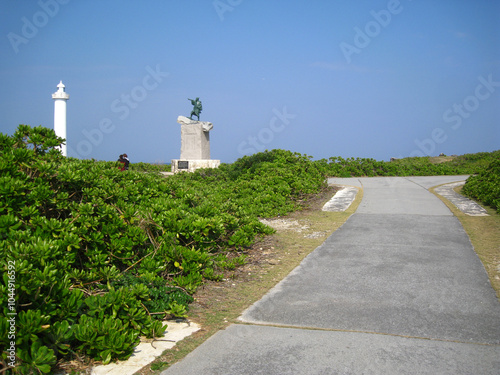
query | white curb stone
(341,200)
(466,205)
(147,351)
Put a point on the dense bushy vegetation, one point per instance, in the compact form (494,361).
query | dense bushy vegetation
(485,186)
(95,257)
(417,166)
(146,167)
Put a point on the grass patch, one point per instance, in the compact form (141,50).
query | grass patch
(219,304)
(484,234)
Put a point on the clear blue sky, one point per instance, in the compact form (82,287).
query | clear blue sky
(324,78)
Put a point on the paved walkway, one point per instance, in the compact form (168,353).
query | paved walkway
(341,200)
(464,204)
(398,289)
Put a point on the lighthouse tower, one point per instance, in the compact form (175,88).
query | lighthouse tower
(60,97)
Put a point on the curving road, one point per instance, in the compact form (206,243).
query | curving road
(398,289)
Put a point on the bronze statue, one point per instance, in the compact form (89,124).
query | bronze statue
(196,108)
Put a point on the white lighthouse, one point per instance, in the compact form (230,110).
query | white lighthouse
(60,97)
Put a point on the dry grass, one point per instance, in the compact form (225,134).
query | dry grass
(440,159)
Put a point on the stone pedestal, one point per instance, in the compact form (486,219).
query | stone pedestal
(192,165)
(195,146)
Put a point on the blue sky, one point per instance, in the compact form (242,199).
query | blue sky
(346,78)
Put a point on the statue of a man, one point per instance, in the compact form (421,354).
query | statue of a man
(196,108)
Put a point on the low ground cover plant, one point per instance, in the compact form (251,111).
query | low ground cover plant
(146,167)
(95,257)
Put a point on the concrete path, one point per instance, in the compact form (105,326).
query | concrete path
(341,200)
(398,289)
(464,204)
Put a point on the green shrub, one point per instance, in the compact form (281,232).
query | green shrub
(105,338)
(485,186)
(102,256)
(414,166)
(146,167)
